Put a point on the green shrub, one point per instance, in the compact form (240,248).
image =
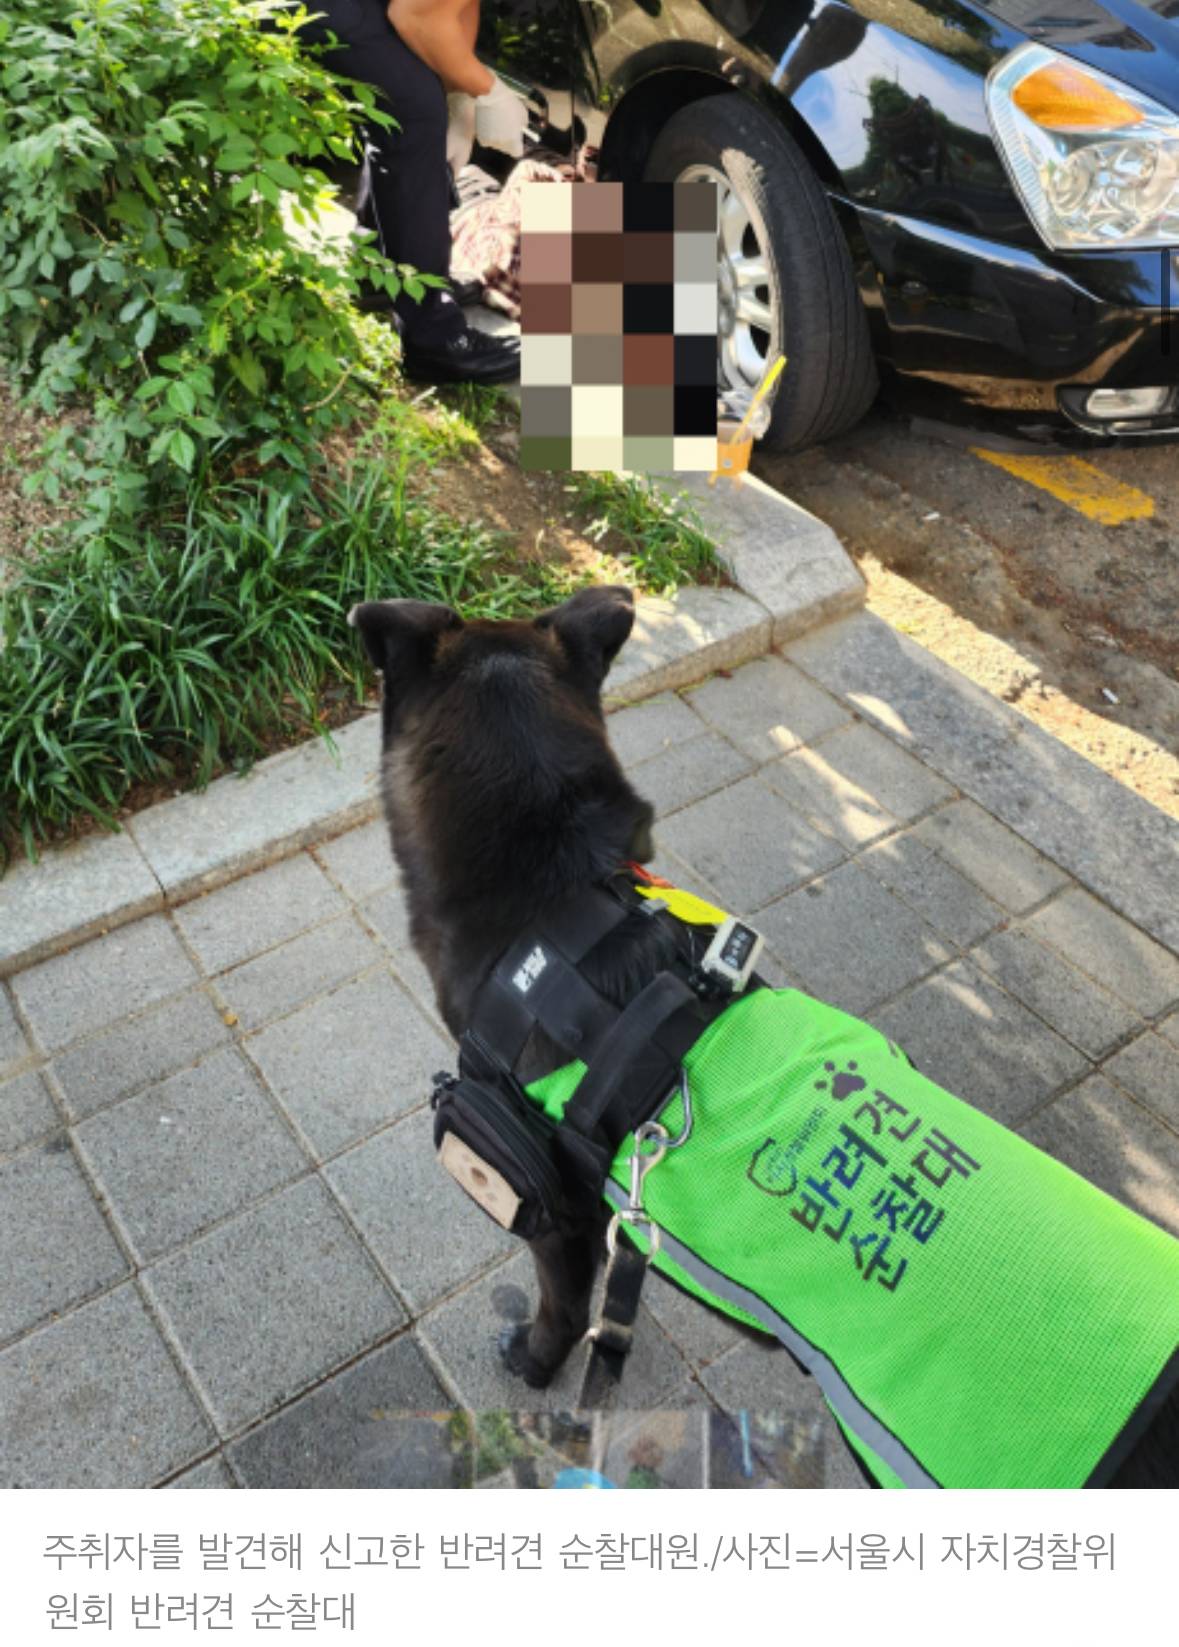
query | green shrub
(155,156)
(201,642)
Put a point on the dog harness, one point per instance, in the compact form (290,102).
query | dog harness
(975,1313)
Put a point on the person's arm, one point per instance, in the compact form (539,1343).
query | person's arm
(442,33)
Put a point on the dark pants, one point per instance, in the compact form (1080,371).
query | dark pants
(406,184)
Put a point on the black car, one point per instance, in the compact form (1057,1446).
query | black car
(985,196)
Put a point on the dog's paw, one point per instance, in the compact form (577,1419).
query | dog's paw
(514,1353)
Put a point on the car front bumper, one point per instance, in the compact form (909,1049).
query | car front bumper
(1020,329)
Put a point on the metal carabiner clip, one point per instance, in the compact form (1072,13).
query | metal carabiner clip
(641,1162)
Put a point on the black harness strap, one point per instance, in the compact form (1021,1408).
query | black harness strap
(611,1339)
(636,1063)
(536,982)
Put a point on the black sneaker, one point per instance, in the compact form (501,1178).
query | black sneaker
(471,357)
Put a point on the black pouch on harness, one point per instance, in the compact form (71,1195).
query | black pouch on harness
(501,1149)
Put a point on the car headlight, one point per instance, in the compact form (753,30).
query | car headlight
(1094,162)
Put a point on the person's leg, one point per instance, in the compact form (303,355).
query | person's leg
(409,188)
(406,175)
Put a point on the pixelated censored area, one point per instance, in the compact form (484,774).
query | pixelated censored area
(619,325)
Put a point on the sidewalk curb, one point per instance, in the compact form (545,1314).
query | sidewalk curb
(1108,838)
(791,572)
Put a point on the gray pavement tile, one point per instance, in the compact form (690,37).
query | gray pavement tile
(962,1031)
(274,983)
(749,844)
(13,1046)
(1110,838)
(758,1375)
(686,772)
(699,1333)
(993,856)
(182,1155)
(1115,1144)
(648,729)
(26,1111)
(55,1248)
(1149,1068)
(463,1336)
(384,1422)
(135,1051)
(766,708)
(351,1061)
(95,1401)
(257,912)
(1107,947)
(388,913)
(213,1473)
(828,801)
(396,1194)
(927,883)
(856,784)
(82,887)
(1170,1028)
(270,1302)
(1084,1013)
(74,994)
(849,940)
(360,860)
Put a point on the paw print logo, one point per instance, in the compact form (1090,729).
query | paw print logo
(843,1082)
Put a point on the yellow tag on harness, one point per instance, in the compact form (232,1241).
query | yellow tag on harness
(685,906)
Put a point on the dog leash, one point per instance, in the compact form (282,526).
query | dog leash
(612,1337)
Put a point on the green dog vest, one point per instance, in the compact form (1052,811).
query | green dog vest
(975,1313)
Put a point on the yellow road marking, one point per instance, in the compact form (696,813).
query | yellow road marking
(1077,483)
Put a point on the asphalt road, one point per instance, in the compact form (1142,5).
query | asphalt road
(1050,577)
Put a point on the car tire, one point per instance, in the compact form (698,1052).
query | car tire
(815,314)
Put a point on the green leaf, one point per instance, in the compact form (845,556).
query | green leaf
(282,173)
(182,450)
(146,329)
(248,371)
(81,278)
(181,398)
(159,445)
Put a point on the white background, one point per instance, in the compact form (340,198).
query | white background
(943,1604)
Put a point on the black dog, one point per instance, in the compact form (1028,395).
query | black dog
(504,797)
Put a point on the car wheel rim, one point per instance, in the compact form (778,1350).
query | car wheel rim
(745,313)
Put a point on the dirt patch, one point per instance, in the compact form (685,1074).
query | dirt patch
(534,509)
(21,516)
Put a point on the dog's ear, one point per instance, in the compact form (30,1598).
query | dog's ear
(401,636)
(591,626)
